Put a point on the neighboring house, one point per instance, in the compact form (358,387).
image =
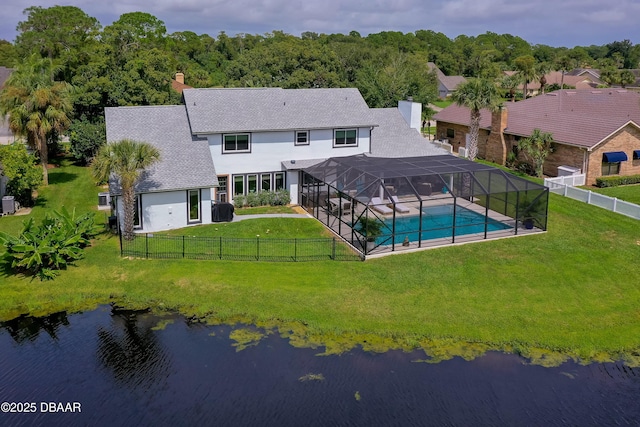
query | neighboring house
(597,131)
(579,82)
(178,83)
(446,84)
(6,136)
(591,73)
(227,142)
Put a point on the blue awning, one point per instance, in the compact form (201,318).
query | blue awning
(636,154)
(614,157)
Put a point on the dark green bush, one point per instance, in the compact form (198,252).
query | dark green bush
(264,198)
(58,241)
(614,181)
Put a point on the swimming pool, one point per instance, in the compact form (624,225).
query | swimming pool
(437,222)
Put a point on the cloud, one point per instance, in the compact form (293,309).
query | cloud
(558,23)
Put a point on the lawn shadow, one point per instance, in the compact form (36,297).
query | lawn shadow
(59,177)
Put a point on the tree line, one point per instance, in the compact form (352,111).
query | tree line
(132,61)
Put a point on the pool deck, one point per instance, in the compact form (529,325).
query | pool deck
(339,224)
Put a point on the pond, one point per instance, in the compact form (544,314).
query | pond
(134,368)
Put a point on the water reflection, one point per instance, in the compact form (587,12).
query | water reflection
(125,370)
(28,328)
(130,350)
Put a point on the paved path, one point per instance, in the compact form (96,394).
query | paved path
(241,217)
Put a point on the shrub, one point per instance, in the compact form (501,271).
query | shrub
(263,198)
(23,171)
(58,241)
(86,138)
(614,181)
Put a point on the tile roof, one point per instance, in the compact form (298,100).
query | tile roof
(271,109)
(576,117)
(178,86)
(394,138)
(185,161)
(452,82)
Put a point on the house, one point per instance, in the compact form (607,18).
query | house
(227,142)
(446,84)
(578,82)
(596,131)
(178,83)
(6,136)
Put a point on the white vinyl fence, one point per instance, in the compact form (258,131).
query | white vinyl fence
(564,185)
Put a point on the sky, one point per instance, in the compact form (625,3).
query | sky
(556,23)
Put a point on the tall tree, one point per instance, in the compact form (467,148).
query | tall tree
(476,94)
(510,83)
(126,160)
(564,63)
(542,68)
(526,69)
(62,33)
(537,148)
(38,107)
(626,77)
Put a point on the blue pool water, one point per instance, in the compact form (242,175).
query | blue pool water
(437,222)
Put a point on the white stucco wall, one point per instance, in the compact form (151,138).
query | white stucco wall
(270,149)
(168,210)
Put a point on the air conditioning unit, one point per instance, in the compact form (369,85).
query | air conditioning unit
(104,199)
(462,152)
(8,205)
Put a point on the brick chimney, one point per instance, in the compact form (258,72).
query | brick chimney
(496,146)
(180,77)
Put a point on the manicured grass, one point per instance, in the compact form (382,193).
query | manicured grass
(262,227)
(442,103)
(572,291)
(265,209)
(628,193)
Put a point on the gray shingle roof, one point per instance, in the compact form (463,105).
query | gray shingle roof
(577,117)
(394,138)
(185,162)
(271,109)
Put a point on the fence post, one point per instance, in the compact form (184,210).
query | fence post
(182,246)
(295,249)
(333,250)
(146,245)
(120,237)
(615,204)
(258,248)
(564,191)
(589,197)
(220,247)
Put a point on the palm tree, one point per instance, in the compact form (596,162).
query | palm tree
(537,147)
(38,107)
(126,160)
(476,94)
(510,83)
(526,69)
(542,69)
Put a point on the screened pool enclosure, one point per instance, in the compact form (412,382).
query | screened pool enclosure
(389,204)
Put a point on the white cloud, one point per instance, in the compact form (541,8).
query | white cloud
(558,23)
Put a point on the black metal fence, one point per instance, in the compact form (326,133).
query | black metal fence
(240,249)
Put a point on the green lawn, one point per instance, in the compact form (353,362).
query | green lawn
(570,292)
(628,193)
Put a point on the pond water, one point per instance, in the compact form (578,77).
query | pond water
(128,368)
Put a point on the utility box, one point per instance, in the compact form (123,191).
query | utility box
(104,199)
(568,170)
(8,205)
